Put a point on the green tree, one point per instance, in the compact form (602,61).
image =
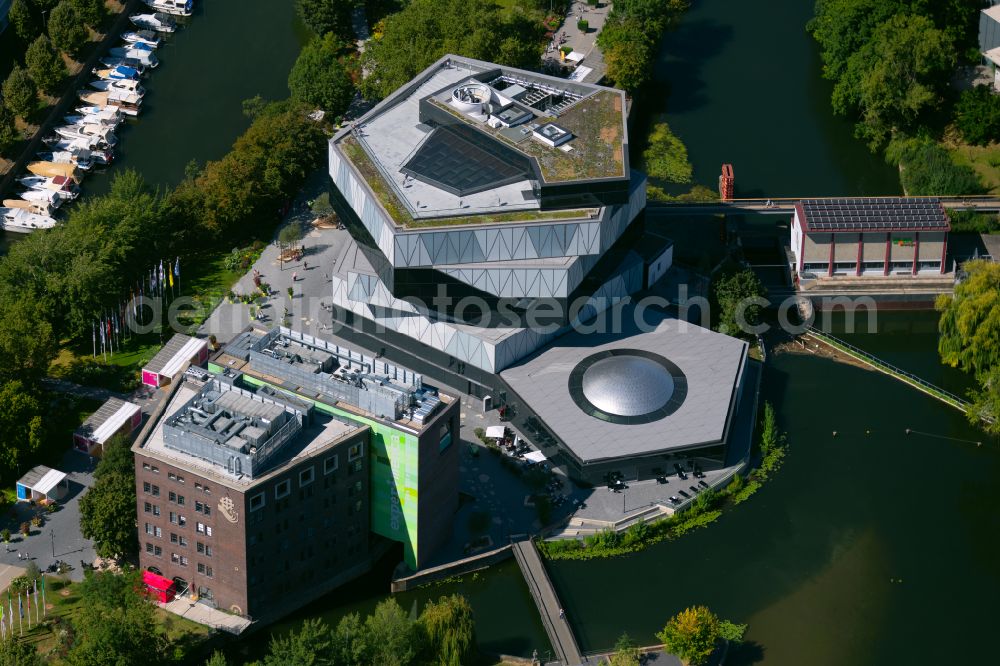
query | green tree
(843,27)
(970,320)
(116,458)
(320,77)
(626,653)
(666,156)
(691,634)
(628,53)
(348,644)
(66,28)
(92,12)
(108,515)
(309,647)
(21,427)
(115,624)
(27,344)
(977,115)
(327,16)
(217,659)
(895,78)
(8,131)
(736,295)
(450,630)
(14,652)
(22,16)
(425,30)
(984,410)
(19,93)
(392,639)
(45,65)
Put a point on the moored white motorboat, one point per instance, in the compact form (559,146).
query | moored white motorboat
(142,37)
(127,103)
(99,155)
(158,22)
(81,158)
(139,46)
(119,72)
(40,207)
(108,116)
(51,197)
(23,221)
(103,133)
(173,7)
(61,184)
(125,85)
(146,58)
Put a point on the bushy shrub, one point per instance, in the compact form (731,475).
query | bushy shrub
(977,115)
(926,169)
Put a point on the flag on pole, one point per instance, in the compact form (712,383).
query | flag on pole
(44,610)
(177,273)
(36,601)
(93,330)
(27,602)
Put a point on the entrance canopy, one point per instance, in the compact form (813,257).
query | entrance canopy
(535,457)
(496,432)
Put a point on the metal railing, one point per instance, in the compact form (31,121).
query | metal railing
(889,369)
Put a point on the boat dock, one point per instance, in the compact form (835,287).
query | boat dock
(549,608)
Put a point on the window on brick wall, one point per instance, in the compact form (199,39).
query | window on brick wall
(330,464)
(307,476)
(282,489)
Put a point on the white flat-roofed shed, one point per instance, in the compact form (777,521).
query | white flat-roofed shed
(42,483)
(114,417)
(179,351)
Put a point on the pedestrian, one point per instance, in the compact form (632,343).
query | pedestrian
(305,265)
(562,614)
(295,277)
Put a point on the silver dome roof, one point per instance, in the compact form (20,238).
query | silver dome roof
(627,385)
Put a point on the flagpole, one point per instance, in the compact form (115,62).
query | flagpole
(45,611)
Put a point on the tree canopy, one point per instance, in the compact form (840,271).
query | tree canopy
(8,131)
(320,76)
(20,94)
(92,12)
(970,336)
(630,35)
(326,16)
(66,28)
(107,515)
(425,30)
(45,65)
(890,60)
(691,634)
(927,169)
(977,115)
(21,427)
(666,156)
(734,294)
(115,625)
(24,20)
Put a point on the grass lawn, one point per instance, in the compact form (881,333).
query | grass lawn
(63,603)
(985,160)
(204,278)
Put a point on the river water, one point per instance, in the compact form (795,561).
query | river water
(865,541)
(229,51)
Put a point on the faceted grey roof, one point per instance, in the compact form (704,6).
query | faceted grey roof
(627,385)
(712,364)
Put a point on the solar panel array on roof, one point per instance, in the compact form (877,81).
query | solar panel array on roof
(874,214)
(462,160)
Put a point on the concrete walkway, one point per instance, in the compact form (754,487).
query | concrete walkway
(206,615)
(542,591)
(583,42)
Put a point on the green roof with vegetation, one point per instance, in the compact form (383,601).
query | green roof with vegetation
(353,150)
(597,124)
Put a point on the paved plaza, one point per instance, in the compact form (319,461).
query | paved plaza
(60,531)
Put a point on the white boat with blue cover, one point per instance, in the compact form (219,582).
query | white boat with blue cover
(119,73)
(146,58)
(109,61)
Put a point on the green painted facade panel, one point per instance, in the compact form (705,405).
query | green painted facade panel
(393,464)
